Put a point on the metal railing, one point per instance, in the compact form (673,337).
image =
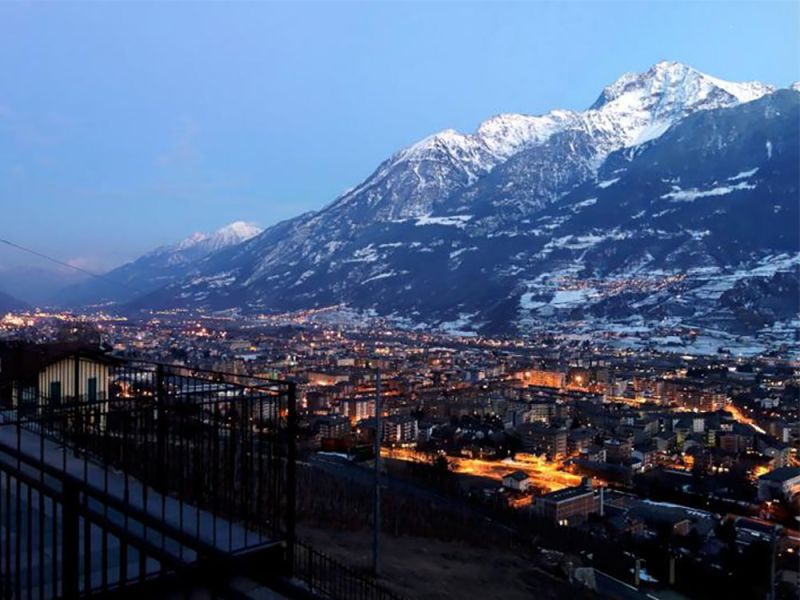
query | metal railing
(171,464)
(116,473)
(198,436)
(329,578)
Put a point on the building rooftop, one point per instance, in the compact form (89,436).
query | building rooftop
(781,474)
(567,494)
(20,360)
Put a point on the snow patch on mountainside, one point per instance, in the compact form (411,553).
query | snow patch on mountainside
(608,183)
(743,174)
(452,220)
(679,195)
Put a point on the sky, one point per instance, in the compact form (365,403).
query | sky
(128,125)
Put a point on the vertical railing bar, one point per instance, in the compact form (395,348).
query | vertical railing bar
(142,564)
(17,558)
(41,451)
(70,540)
(181,458)
(4,511)
(260,483)
(106,462)
(254,516)
(29,546)
(161,432)
(104,556)
(87,548)
(247,459)
(54,546)
(144,414)
(123,562)
(41,541)
(7,584)
(230,453)
(63,436)
(215,470)
(291,483)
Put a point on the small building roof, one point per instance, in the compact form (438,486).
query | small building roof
(781,474)
(517,476)
(23,360)
(567,494)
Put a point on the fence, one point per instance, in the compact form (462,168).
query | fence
(329,578)
(116,473)
(159,466)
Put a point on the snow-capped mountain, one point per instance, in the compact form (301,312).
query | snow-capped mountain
(676,228)
(635,108)
(199,245)
(535,219)
(157,268)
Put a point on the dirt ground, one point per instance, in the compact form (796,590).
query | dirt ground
(428,569)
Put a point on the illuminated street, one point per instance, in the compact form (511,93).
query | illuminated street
(544,475)
(743,418)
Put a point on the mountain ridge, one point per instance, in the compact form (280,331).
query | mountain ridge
(157,268)
(441,168)
(572,218)
(9,303)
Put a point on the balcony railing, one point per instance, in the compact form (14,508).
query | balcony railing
(145,472)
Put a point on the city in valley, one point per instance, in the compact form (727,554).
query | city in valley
(400,300)
(658,465)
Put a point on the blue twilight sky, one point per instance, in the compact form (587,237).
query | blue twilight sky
(127,125)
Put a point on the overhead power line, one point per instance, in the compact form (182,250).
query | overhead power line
(63,264)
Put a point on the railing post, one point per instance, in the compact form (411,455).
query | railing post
(291,476)
(161,438)
(77,413)
(376,504)
(76,379)
(70,541)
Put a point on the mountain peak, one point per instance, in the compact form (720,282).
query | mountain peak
(233,233)
(506,133)
(447,139)
(198,237)
(243,230)
(670,85)
(164,264)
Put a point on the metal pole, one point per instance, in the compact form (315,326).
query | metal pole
(671,568)
(798,565)
(76,382)
(291,477)
(376,509)
(70,542)
(773,552)
(76,393)
(161,431)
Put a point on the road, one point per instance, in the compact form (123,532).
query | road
(544,474)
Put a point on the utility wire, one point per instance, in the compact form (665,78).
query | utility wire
(64,264)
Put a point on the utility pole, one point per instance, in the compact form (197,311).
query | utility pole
(376,509)
(798,563)
(773,557)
